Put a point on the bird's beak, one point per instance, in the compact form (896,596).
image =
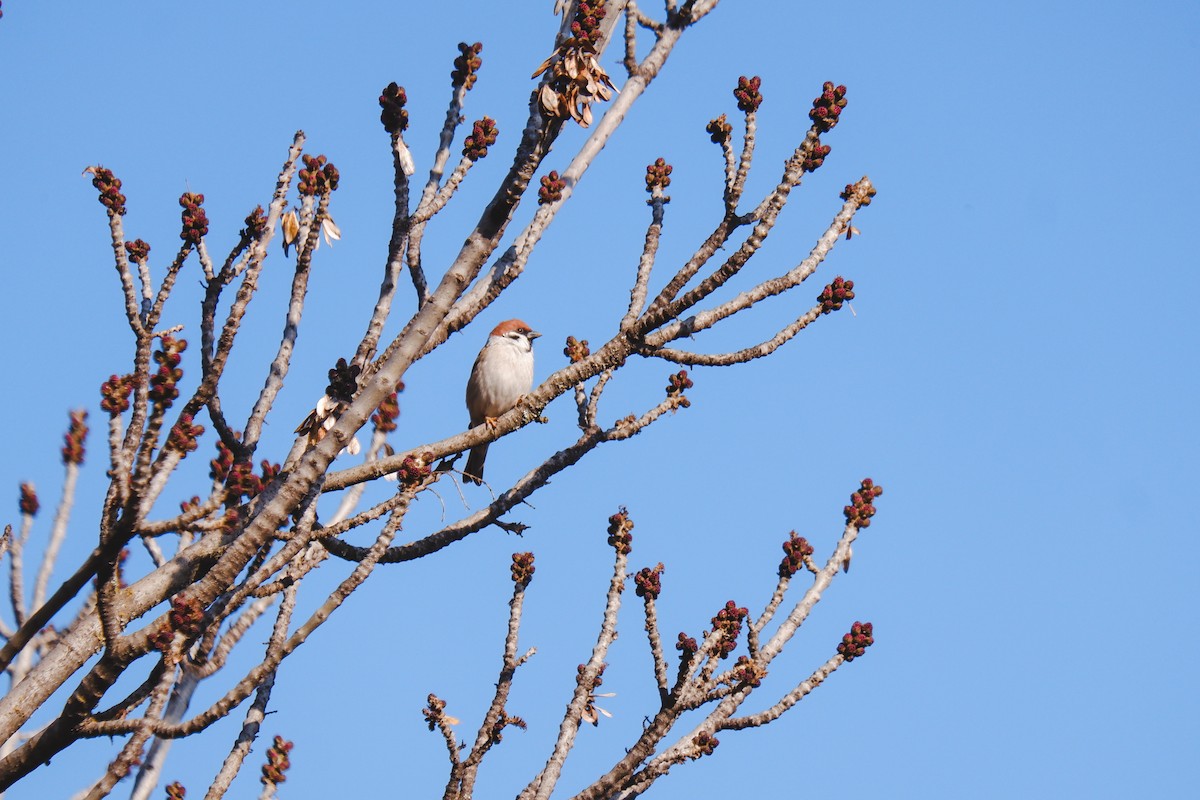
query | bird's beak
(532,335)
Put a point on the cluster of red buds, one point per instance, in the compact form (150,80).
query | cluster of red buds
(503,721)
(483,135)
(828,107)
(256,223)
(415,469)
(185,617)
(434,710)
(576,350)
(719,130)
(658,175)
(188,506)
(277,762)
(184,434)
(552,188)
(28,503)
(240,480)
(686,645)
(728,623)
(796,549)
(163,389)
(619,527)
(114,393)
(318,177)
(863,195)
(861,507)
(677,384)
(176,791)
(705,743)
(231,522)
(648,581)
(834,294)
(745,671)
(522,568)
(586,25)
(138,250)
(195,220)
(219,467)
(815,157)
(392,101)
(110,189)
(388,412)
(747,94)
(73,450)
(466,65)
(856,642)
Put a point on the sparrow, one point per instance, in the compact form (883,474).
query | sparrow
(502,375)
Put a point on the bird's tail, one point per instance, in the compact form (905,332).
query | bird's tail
(473,473)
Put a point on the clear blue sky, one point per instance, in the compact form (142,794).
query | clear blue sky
(1020,376)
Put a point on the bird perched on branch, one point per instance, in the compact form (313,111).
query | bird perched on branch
(502,375)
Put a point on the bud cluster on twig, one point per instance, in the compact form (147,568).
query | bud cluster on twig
(677,384)
(827,107)
(256,223)
(728,623)
(747,672)
(648,581)
(719,129)
(434,710)
(319,177)
(184,434)
(138,251)
(73,449)
(393,116)
(278,762)
(193,217)
(658,175)
(28,503)
(619,527)
(747,95)
(576,349)
(185,617)
(483,135)
(862,191)
(114,393)
(163,383)
(861,507)
(551,189)
(856,642)
(466,65)
(110,189)
(415,469)
(388,412)
(815,157)
(835,294)
(797,549)
(522,568)
(704,744)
